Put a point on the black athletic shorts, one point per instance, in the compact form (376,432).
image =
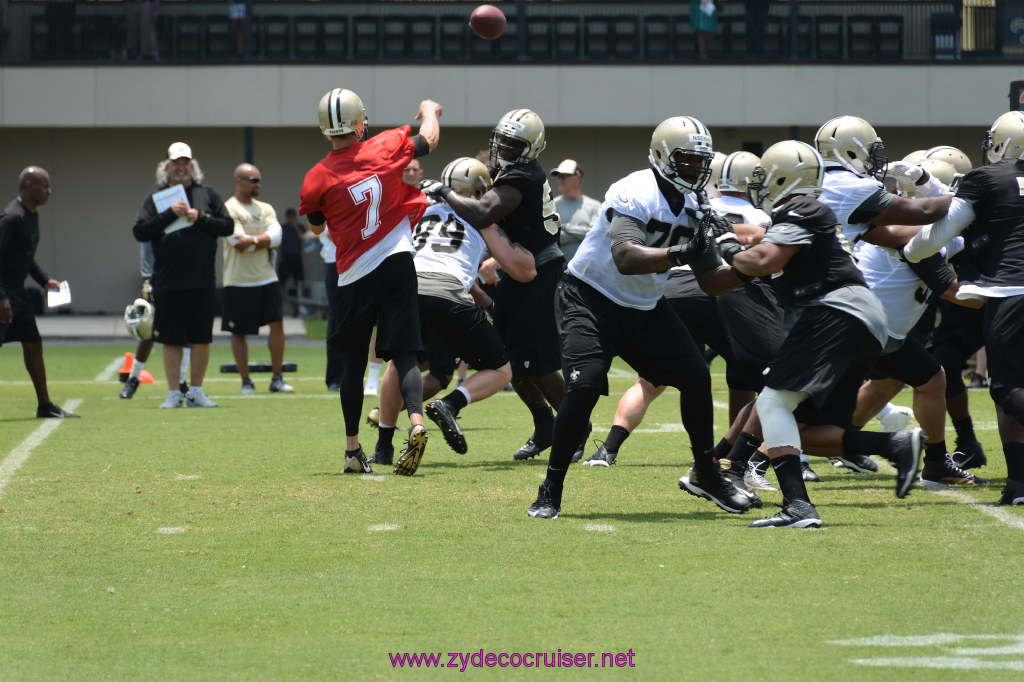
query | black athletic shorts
(960,327)
(1004,342)
(386,298)
(464,331)
(827,355)
(246,309)
(184,317)
(20,328)
(592,330)
(290,265)
(526,320)
(753,319)
(910,363)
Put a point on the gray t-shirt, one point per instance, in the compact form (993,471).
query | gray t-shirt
(577,218)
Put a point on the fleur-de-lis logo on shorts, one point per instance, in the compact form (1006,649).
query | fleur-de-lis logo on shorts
(573,375)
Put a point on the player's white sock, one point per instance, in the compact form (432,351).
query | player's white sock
(137,367)
(463,391)
(804,458)
(886,410)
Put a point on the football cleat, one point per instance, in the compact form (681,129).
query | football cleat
(373,417)
(442,414)
(529,450)
(714,486)
(969,455)
(196,398)
(382,456)
(601,458)
(859,463)
(548,503)
(906,447)
(173,399)
(279,385)
(794,514)
(899,418)
(131,384)
(247,387)
(1013,493)
(946,472)
(409,461)
(355,462)
(737,481)
(807,473)
(52,411)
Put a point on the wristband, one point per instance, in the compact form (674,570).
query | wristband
(678,254)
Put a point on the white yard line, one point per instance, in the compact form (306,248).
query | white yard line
(111,370)
(20,454)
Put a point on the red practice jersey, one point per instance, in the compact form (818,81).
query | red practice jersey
(360,191)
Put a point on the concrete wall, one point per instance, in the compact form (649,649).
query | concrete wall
(101,131)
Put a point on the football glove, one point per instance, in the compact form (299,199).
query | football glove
(728,246)
(902,176)
(435,190)
(147,291)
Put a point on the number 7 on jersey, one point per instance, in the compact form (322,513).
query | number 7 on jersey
(368,190)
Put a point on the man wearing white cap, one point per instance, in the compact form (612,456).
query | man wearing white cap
(576,209)
(184,237)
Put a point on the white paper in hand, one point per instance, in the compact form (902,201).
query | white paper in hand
(165,198)
(60,297)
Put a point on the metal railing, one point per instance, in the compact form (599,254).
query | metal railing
(565,32)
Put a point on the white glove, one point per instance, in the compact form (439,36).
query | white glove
(902,175)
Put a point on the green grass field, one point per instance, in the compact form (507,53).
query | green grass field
(139,543)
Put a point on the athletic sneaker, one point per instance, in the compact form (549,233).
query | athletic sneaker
(131,384)
(373,417)
(173,399)
(578,455)
(196,398)
(737,480)
(279,385)
(601,458)
(897,420)
(442,414)
(548,503)
(409,461)
(859,463)
(52,411)
(794,514)
(754,477)
(906,447)
(1013,493)
(247,387)
(969,455)
(371,390)
(529,450)
(334,388)
(807,473)
(383,457)
(948,473)
(355,463)
(714,486)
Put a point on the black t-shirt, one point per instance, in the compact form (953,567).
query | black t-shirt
(995,240)
(533,223)
(184,259)
(291,243)
(19,237)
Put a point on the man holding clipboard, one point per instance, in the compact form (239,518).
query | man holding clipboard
(183,220)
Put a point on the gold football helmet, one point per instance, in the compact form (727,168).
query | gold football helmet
(467,176)
(711,189)
(138,318)
(341,112)
(737,172)
(1005,139)
(852,143)
(951,155)
(787,167)
(681,153)
(941,170)
(518,138)
(915,157)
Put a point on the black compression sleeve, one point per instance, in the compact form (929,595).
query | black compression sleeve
(420,146)
(316,218)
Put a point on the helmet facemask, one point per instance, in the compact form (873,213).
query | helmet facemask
(505,150)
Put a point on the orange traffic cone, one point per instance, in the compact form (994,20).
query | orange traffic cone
(127,368)
(145,377)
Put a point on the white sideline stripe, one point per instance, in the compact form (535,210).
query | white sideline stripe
(940,663)
(20,453)
(600,527)
(721,406)
(187,477)
(171,530)
(108,373)
(382,526)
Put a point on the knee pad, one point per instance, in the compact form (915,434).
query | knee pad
(1011,400)
(775,411)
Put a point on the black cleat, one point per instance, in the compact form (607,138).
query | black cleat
(52,411)
(969,455)
(530,449)
(714,486)
(859,463)
(441,414)
(131,384)
(737,480)
(578,455)
(906,447)
(548,502)
(409,461)
(794,514)
(807,473)
(383,457)
(601,458)
(1013,493)
(355,463)
(946,472)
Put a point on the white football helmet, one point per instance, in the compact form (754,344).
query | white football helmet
(341,112)
(915,157)
(518,138)
(737,171)
(467,176)
(951,155)
(787,167)
(681,153)
(138,317)
(1005,139)
(852,143)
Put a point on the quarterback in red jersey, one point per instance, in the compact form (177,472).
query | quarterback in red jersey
(356,193)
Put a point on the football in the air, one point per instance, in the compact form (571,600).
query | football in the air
(487,21)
